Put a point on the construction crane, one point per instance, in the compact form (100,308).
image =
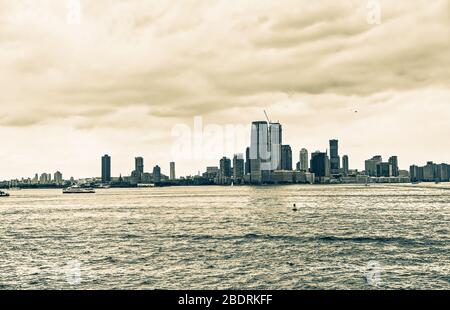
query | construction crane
(268,120)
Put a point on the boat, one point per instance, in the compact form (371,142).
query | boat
(78,190)
(3,194)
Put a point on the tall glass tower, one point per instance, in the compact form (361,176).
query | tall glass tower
(106,169)
(335,161)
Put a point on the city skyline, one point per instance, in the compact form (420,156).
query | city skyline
(265,154)
(118,80)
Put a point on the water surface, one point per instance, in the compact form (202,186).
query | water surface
(342,237)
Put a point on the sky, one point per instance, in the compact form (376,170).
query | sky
(183,80)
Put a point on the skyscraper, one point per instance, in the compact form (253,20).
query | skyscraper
(320,164)
(345,165)
(260,164)
(371,165)
(247,161)
(139,165)
(172,171)
(156,174)
(259,142)
(238,168)
(334,157)
(138,168)
(414,173)
(286,157)
(58,178)
(304,160)
(384,170)
(275,145)
(393,160)
(106,169)
(43,179)
(429,171)
(225,167)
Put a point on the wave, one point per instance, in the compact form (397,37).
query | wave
(319,238)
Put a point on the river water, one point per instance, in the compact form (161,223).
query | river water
(341,237)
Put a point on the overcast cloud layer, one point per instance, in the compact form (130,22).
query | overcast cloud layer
(120,81)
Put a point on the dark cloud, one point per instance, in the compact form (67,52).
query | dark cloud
(198,57)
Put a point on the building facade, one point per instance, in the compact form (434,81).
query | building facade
(345,168)
(275,145)
(172,171)
(286,157)
(335,160)
(371,165)
(320,165)
(384,170)
(393,160)
(156,174)
(238,168)
(304,160)
(106,169)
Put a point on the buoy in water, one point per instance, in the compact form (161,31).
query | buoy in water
(294,208)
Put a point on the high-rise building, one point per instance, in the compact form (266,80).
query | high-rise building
(393,160)
(156,174)
(371,165)
(139,165)
(247,161)
(320,164)
(43,179)
(225,167)
(414,173)
(286,157)
(345,165)
(384,170)
(58,178)
(429,171)
(259,141)
(304,160)
(138,169)
(238,168)
(260,163)
(106,169)
(35,179)
(275,145)
(211,172)
(442,173)
(334,157)
(172,171)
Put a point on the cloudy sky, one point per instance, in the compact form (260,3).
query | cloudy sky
(83,78)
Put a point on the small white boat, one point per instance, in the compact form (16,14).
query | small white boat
(4,194)
(78,190)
